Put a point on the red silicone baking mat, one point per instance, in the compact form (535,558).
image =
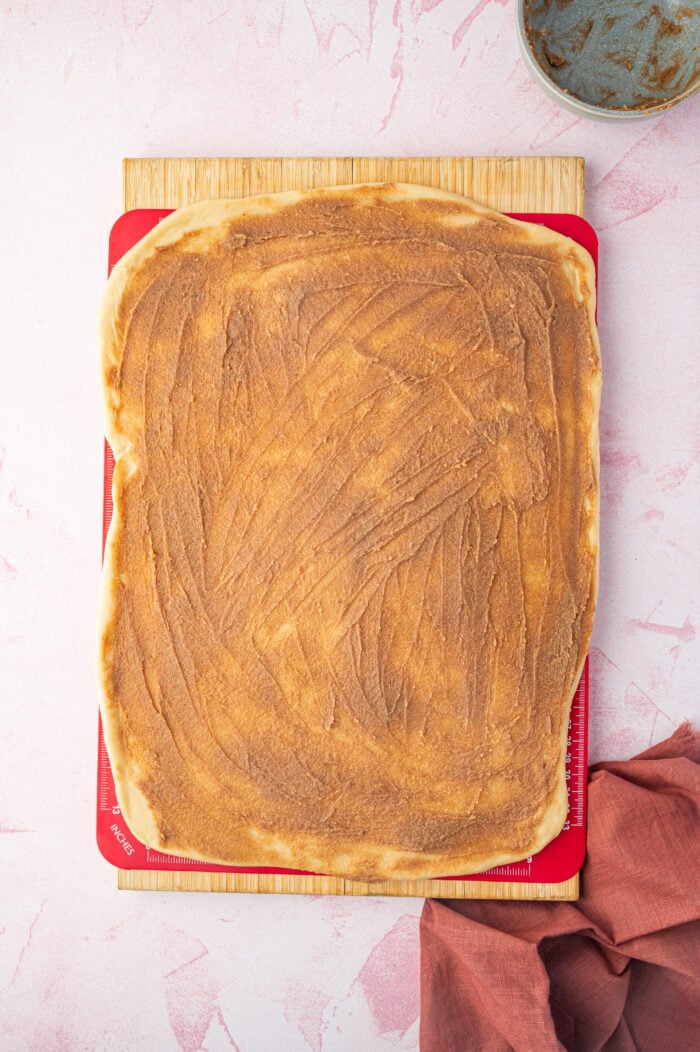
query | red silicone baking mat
(558,861)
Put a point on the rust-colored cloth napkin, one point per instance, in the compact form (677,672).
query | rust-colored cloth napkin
(619,969)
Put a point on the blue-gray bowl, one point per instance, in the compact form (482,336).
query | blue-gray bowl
(613,58)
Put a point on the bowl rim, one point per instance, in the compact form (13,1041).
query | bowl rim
(580,105)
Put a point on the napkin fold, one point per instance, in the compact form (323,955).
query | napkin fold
(618,970)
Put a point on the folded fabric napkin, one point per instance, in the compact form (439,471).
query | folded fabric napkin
(619,969)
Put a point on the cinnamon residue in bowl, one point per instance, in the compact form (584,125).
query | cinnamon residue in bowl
(621,55)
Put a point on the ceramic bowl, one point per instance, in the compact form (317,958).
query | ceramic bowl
(619,59)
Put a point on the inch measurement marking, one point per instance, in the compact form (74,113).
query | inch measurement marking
(513,870)
(107,502)
(176,861)
(107,796)
(576,759)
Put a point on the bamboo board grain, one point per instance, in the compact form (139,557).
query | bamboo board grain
(283,884)
(510,184)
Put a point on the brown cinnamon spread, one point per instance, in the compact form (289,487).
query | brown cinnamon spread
(351,576)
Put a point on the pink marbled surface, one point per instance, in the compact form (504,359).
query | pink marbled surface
(81,965)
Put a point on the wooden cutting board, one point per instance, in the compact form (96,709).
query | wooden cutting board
(510,184)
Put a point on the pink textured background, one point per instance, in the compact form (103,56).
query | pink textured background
(81,965)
